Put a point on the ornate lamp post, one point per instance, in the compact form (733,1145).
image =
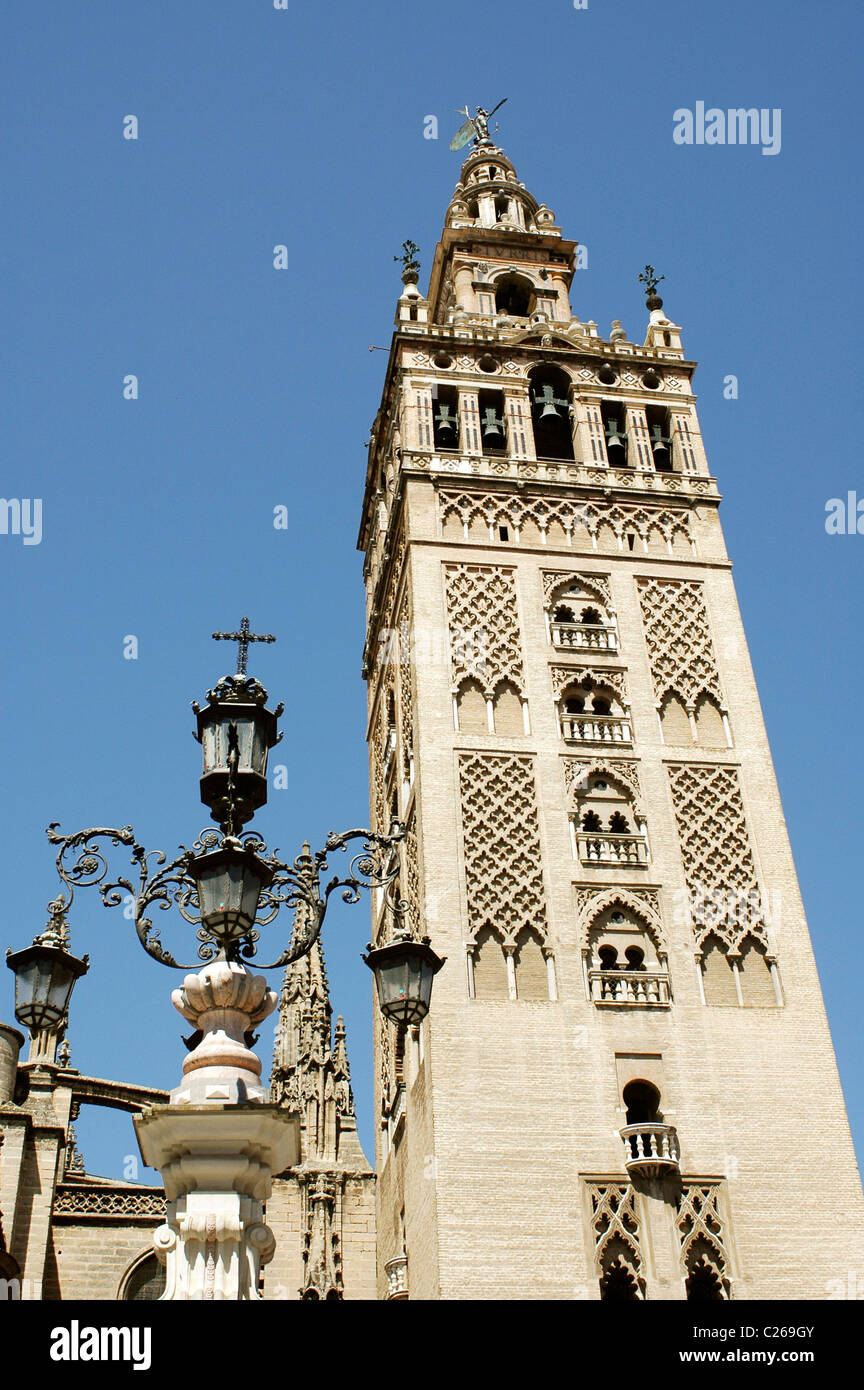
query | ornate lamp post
(218,1143)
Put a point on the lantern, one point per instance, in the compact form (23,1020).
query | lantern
(230,881)
(44,979)
(236,733)
(404,970)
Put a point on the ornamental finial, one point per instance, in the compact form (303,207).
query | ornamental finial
(650,279)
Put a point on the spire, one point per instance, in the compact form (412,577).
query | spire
(310,1066)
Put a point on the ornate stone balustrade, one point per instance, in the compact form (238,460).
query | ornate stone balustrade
(595,728)
(651,1149)
(590,636)
(397,1277)
(643,989)
(611,849)
(84,1201)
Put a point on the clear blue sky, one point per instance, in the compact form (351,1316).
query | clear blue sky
(305,127)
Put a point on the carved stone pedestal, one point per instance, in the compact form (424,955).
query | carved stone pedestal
(217,1145)
(217,1163)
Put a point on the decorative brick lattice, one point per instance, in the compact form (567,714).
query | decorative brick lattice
(411,872)
(700,1230)
(615,1225)
(678,634)
(381,736)
(406,689)
(483,625)
(514,509)
(501,835)
(724,893)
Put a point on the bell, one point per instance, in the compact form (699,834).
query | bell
(615,441)
(492,428)
(660,445)
(446,431)
(553,411)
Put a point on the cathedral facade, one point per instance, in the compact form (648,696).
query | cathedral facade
(626,1087)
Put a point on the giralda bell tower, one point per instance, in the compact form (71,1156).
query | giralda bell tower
(626,1086)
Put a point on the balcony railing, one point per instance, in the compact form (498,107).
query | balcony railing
(397,1277)
(611,849)
(651,1149)
(593,636)
(595,728)
(638,988)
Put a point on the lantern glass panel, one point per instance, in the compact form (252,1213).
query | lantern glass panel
(228,891)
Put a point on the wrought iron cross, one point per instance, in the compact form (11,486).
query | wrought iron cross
(243,638)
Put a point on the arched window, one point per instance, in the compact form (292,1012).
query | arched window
(145,1281)
(471,708)
(514,295)
(592,713)
(642,1100)
(618,824)
(620,1281)
(532,978)
(508,710)
(710,732)
(591,821)
(578,620)
(626,966)
(706,1280)
(674,721)
(718,980)
(490,966)
(757,985)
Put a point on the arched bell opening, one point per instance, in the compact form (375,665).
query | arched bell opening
(515,296)
(551,393)
(492,428)
(658,420)
(614,416)
(445,418)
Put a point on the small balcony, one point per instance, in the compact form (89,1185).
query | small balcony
(611,849)
(397,1278)
(651,1150)
(584,637)
(633,988)
(595,728)
(389,749)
